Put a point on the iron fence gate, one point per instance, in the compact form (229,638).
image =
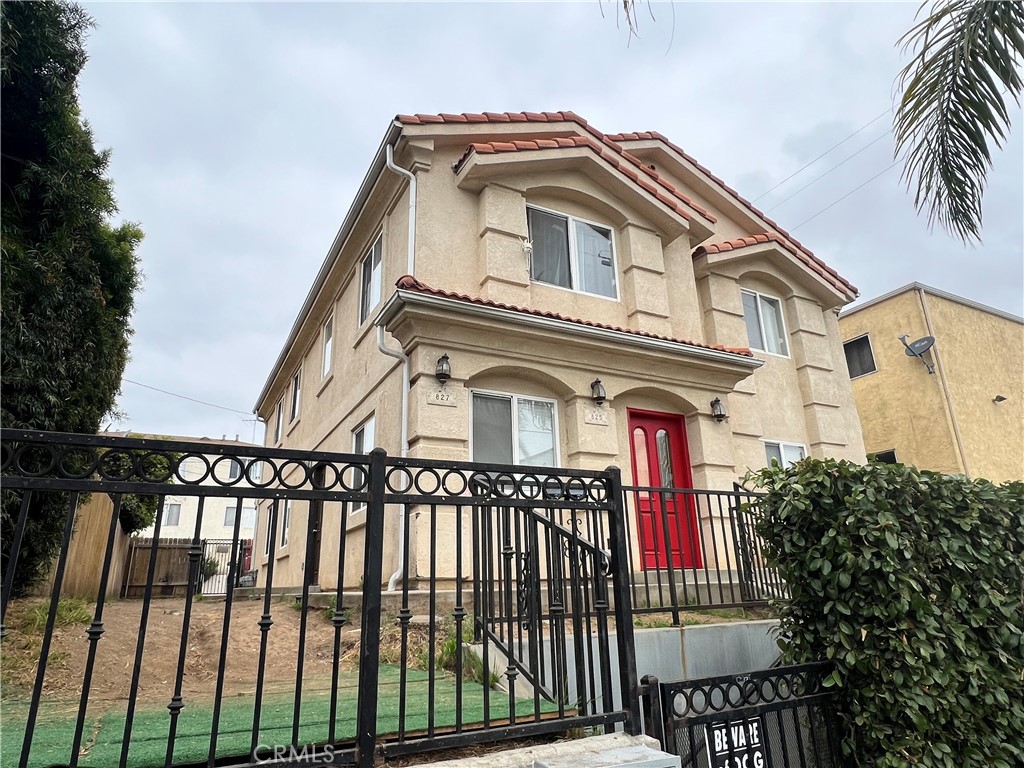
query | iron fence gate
(513,617)
(775,718)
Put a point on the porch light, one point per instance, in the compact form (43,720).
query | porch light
(597,392)
(443,369)
(718,410)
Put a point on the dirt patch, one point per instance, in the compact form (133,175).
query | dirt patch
(116,650)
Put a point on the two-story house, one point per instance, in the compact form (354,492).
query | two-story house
(520,288)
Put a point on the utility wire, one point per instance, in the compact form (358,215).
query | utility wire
(835,146)
(885,170)
(826,173)
(185,397)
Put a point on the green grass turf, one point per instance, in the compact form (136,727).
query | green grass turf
(54,732)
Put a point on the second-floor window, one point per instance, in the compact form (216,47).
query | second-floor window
(296,395)
(766,329)
(370,280)
(859,359)
(511,429)
(328,347)
(278,421)
(571,253)
(172,514)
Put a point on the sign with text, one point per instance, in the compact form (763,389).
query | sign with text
(596,416)
(441,397)
(738,744)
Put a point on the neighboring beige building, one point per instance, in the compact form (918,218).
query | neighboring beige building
(539,255)
(965,418)
(180,511)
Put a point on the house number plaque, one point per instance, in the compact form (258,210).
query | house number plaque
(441,397)
(596,416)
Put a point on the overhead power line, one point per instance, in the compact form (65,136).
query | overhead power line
(186,397)
(803,168)
(826,173)
(885,170)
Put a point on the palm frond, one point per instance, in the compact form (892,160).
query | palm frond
(967,58)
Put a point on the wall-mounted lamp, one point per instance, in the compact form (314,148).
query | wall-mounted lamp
(718,410)
(597,392)
(999,399)
(443,369)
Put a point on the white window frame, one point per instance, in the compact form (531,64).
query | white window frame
(286,522)
(327,347)
(871,349)
(266,535)
(783,444)
(555,427)
(279,421)
(167,508)
(295,402)
(758,295)
(574,268)
(376,280)
(230,509)
(370,421)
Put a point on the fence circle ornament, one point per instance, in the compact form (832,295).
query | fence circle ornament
(183,460)
(155,467)
(78,463)
(35,460)
(118,464)
(302,475)
(431,474)
(454,489)
(397,475)
(353,477)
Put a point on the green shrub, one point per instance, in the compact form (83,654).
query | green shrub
(912,583)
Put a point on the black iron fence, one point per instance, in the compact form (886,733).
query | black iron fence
(514,616)
(776,718)
(692,549)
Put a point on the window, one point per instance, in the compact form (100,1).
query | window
(571,253)
(234,469)
(293,411)
(370,279)
(268,534)
(229,516)
(172,514)
(279,421)
(766,329)
(363,437)
(248,517)
(184,467)
(885,457)
(784,454)
(327,347)
(286,520)
(509,429)
(859,359)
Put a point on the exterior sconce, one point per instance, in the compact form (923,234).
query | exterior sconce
(597,392)
(443,369)
(718,410)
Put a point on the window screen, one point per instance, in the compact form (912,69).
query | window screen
(858,357)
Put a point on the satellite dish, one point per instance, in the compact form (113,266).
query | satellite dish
(918,348)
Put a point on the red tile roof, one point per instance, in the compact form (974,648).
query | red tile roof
(844,285)
(597,142)
(668,194)
(816,265)
(410,283)
(611,141)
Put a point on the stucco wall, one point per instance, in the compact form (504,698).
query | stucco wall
(902,407)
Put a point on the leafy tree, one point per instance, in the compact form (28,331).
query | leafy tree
(68,274)
(967,56)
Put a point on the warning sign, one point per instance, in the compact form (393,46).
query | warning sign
(738,744)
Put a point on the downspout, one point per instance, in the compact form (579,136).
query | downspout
(944,384)
(400,355)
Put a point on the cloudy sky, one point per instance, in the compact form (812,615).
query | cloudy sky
(240,132)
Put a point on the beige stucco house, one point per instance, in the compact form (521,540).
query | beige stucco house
(958,409)
(540,256)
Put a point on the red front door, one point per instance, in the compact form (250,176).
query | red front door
(667,521)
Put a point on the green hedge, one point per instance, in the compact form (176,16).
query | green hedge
(912,583)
